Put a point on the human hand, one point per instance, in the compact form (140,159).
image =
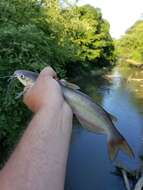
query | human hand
(46,138)
(46,92)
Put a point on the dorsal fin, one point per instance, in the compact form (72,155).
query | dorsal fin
(69,84)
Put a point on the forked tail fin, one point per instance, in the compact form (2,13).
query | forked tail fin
(117,143)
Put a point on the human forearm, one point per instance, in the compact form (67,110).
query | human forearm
(39,160)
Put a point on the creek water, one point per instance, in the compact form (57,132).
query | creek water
(121,93)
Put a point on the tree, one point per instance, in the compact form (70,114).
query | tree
(37,33)
(130,46)
(89,32)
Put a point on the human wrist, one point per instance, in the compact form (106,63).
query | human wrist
(51,106)
(61,115)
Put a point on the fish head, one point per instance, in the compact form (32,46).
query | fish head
(27,78)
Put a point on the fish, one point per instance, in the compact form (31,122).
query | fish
(90,114)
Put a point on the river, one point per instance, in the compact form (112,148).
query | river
(121,93)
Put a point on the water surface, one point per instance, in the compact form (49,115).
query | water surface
(89,167)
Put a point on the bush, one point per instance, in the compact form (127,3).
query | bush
(34,34)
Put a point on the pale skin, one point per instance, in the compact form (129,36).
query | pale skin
(39,160)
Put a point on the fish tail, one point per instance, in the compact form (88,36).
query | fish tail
(116,143)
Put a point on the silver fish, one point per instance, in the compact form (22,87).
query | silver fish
(91,115)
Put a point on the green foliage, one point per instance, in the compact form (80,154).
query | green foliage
(89,32)
(130,46)
(37,33)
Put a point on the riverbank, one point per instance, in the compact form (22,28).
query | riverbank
(134,63)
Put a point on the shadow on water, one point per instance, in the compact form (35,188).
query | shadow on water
(88,166)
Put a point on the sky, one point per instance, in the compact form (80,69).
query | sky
(121,14)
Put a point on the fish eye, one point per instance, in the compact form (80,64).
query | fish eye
(22,76)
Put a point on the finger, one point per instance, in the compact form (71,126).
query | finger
(48,72)
(27,92)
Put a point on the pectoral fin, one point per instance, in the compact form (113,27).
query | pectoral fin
(19,95)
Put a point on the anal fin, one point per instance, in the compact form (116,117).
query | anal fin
(113,118)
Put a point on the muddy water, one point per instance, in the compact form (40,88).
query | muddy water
(121,93)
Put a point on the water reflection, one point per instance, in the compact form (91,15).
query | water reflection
(88,166)
(134,83)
